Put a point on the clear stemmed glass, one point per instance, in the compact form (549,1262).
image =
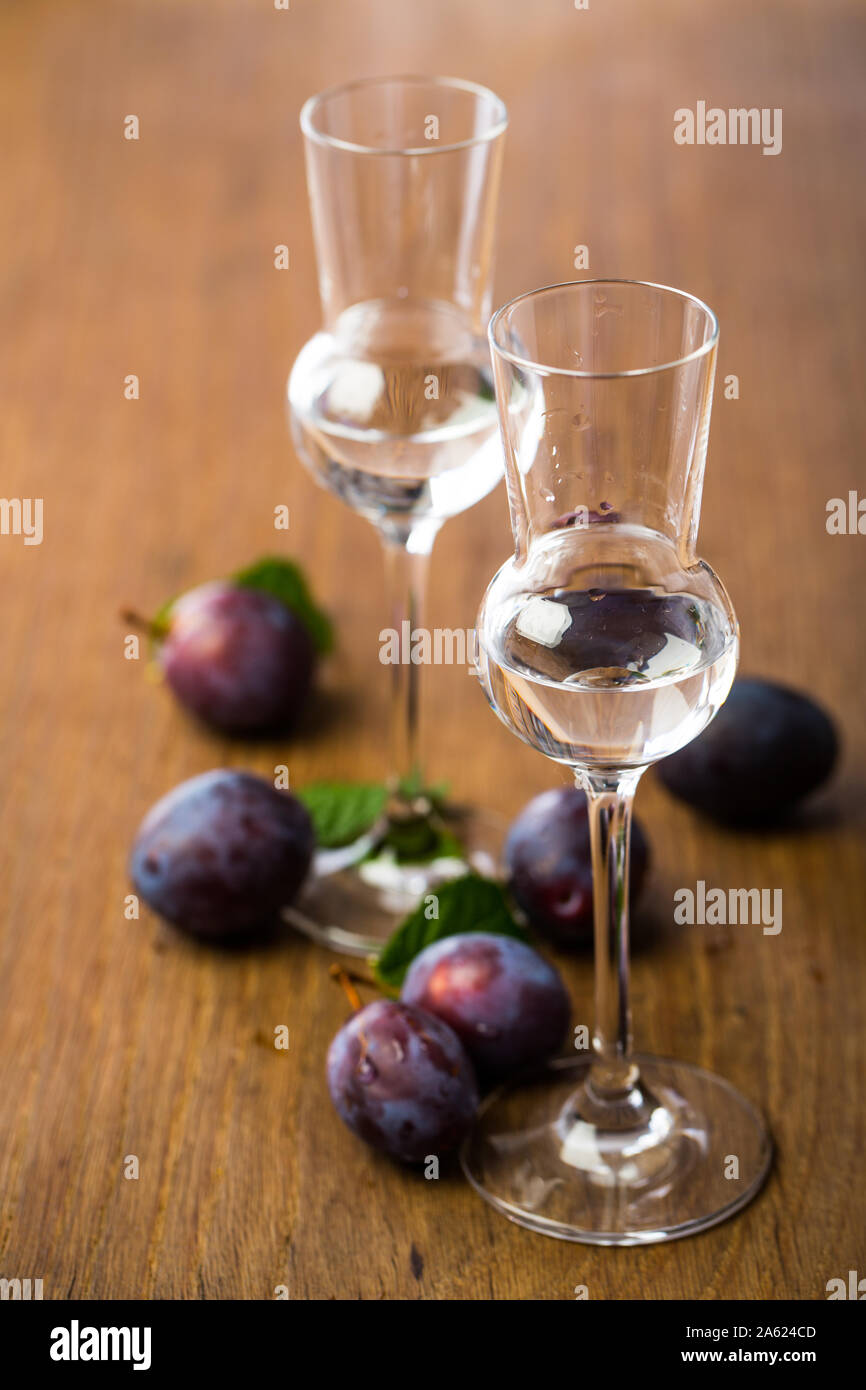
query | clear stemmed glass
(607,644)
(392,404)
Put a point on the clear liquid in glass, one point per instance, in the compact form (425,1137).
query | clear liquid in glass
(597,671)
(394,411)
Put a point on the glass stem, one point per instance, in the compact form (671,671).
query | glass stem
(610,797)
(407,561)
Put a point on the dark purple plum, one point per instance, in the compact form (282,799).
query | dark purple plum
(506,1003)
(221,854)
(549,863)
(401,1080)
(238,658)
(766,749)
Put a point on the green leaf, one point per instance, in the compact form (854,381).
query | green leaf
(413,786)
(418,841)
(466,904)
(285,581)
(342,811)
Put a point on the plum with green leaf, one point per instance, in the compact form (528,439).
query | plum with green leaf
(470,903)
(238,659)
(240,653)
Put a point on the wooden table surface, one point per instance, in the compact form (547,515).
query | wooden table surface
(155,258)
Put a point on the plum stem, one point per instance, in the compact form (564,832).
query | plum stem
(142,624)
(347,980)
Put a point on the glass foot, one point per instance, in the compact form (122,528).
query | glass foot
(352,902)
(683,1151)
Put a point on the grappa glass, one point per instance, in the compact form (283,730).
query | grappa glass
(392,404)
(607,644)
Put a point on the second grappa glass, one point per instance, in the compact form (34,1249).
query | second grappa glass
(392,409)
(606,644)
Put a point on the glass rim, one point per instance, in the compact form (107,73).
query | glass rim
(547,369)
(307,118)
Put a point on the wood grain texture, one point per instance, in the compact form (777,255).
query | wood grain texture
(156,258)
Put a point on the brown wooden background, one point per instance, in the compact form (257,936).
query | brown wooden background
(156,258)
